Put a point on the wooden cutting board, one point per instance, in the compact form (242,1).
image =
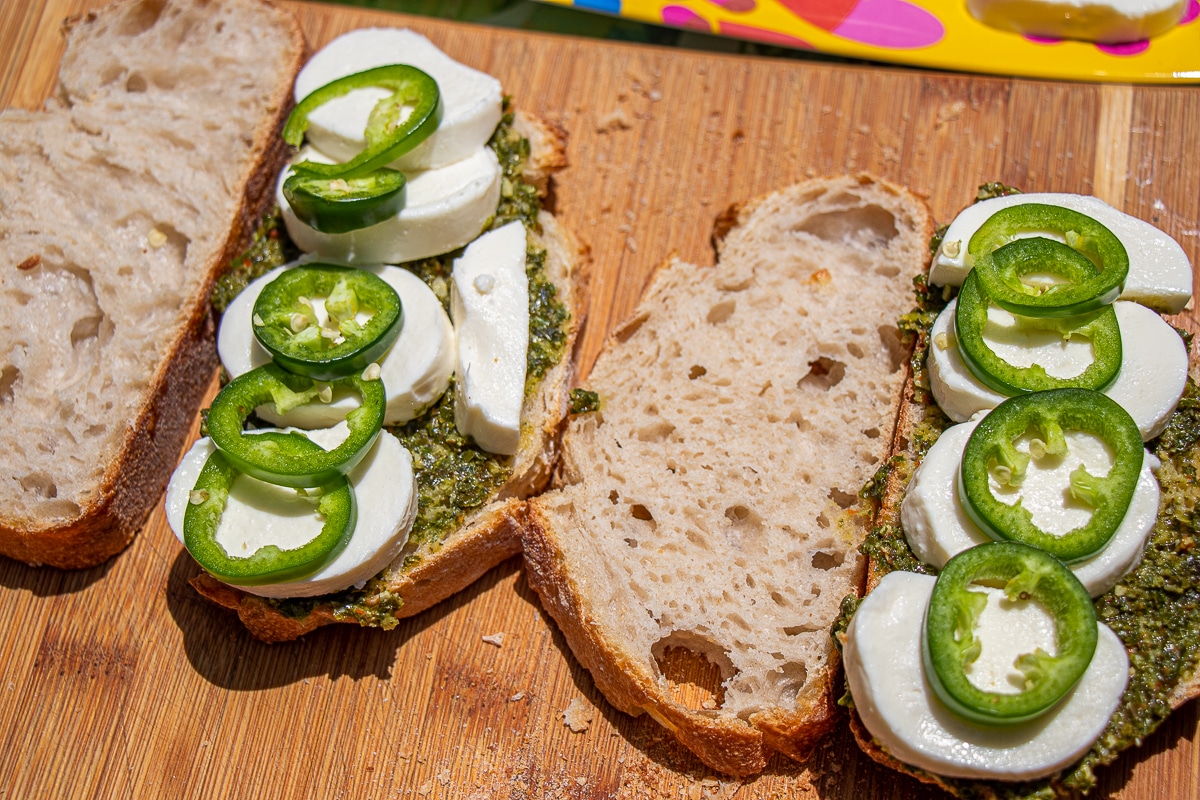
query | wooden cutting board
(121,682)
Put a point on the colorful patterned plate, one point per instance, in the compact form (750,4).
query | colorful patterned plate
(924,33)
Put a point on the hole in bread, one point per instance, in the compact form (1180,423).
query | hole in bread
(656,432)
(639,511)
(824,560)
(853,349)
(790,680)
(814,593)
(780,600)
(613,497)
(796,418)
(824,373)
(696,371)
(738,513)
(867,227)
(871,433)
(8,381)
(40,484)
(822,520)
(629,540)
(84,329)
(893,344)
(721,312)
(888,270)
(694,667)
(136,83)
(626,331)
(804,627)
(141,18)
(843,499)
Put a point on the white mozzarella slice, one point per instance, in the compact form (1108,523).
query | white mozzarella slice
(1154,367)
(1160,274)
(898,707)
(489,303)
(1151,380)
(415,371)
(1110,21)
(471,100)
(259,514)
(444,208)
(937,528)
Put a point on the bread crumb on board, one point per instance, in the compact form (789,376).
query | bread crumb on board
(494,638)
(614,120)
(578,715)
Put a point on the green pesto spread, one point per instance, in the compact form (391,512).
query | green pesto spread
(453,476)
(1155,609)
(584,401)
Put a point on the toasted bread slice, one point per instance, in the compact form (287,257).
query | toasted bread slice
(919,423)
(711,504)
(431,570)
(119,206)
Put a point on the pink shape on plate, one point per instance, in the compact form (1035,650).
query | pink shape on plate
(680,17)
(1043,39)
(895,24)
(761,35)
(1193,11)
(1125,48)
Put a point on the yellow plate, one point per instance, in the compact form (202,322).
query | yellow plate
(924,33)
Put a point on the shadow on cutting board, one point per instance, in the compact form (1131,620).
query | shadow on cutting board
(224,653)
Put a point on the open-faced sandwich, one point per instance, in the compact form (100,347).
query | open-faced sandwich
(397,348)
(121,203)
(1033,598)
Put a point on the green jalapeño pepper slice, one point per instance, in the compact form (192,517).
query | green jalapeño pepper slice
(341,205)
(388,134)
(338,198)
(264,458)
(1100,327)
(1002,256)
(287,326)
(950,645)
(1042,418)
(269,564)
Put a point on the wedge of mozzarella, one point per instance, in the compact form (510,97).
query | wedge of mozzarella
(1104,21)
(258,514)
(444,209)
(1160,274)
(471,100)
(489,304)
(937,527)
(898,707)
(1151,380)
(415,372)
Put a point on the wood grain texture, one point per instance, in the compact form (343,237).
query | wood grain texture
(121,682)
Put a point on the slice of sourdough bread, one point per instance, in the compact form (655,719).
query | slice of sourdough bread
(119,205)
(712,503)
(428,571)
(1163,656)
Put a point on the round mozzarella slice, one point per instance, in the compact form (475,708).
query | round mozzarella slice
(444,208)
(1160,274)
(471,100)
(896,704)
(1151,380)
(937,528)
(415,372)
(259,514)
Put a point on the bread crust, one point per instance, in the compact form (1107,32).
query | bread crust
(422,576)
(134,480)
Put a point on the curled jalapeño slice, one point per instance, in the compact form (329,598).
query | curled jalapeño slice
(950,644)
(265,458)
(338,198)
(271,563)
(1099,327)
(1042,418)
(1079,265)
(287,325)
